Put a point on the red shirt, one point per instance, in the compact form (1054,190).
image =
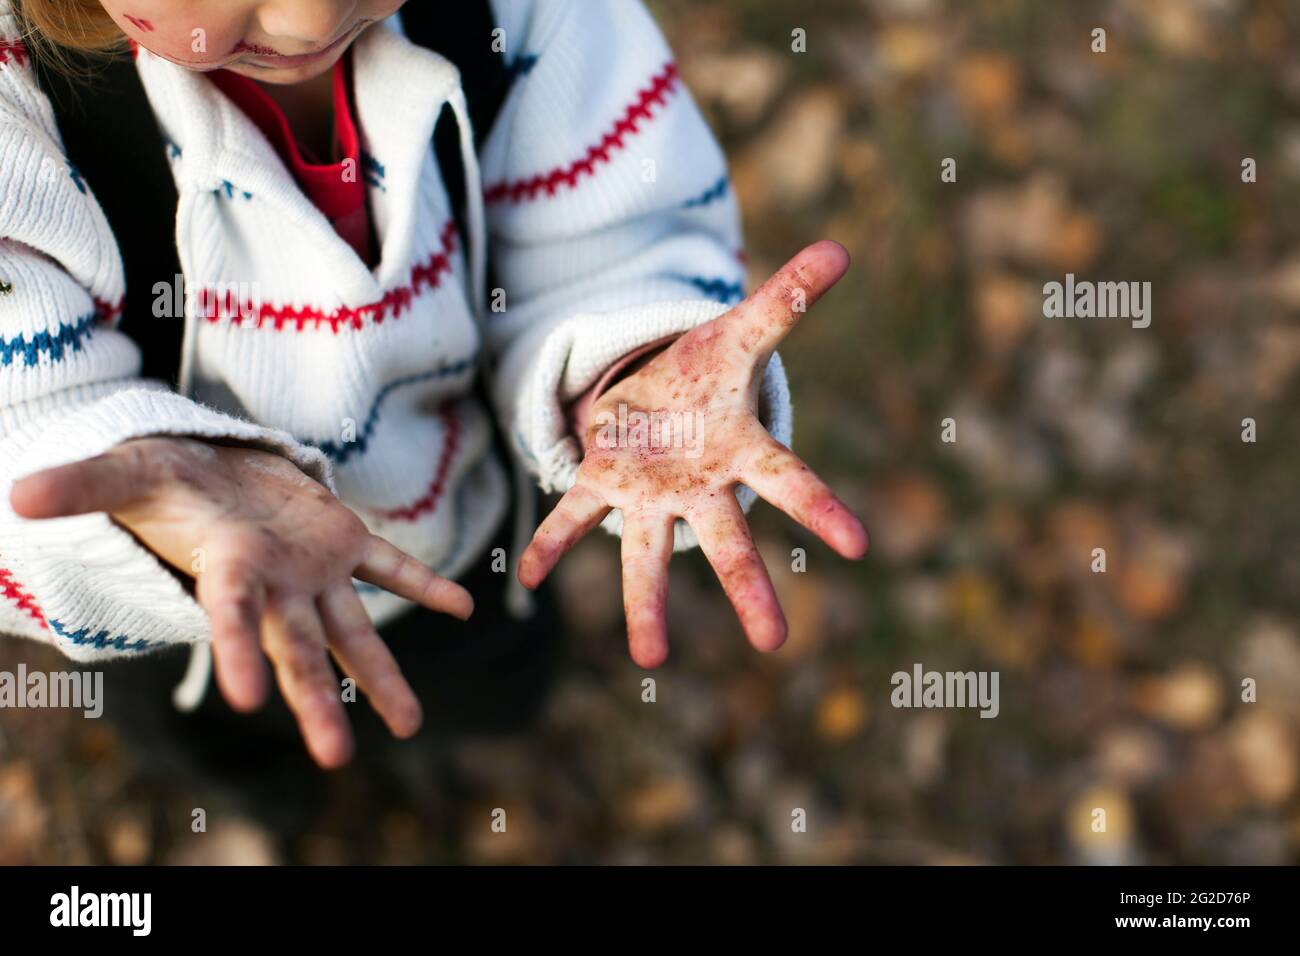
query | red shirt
(337,189)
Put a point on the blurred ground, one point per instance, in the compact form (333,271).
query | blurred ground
(1119,691)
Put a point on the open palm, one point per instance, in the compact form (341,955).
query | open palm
(674,439)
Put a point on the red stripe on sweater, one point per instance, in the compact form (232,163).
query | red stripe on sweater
(107,312)
(14,50)
(661,85)
(14,592)
(429,501)
(217,306)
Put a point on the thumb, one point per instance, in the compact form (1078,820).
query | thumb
(107,482)
(767,316)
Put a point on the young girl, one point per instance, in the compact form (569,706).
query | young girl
(326,447)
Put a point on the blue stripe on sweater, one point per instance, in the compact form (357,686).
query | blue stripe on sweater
(100,641)
(710,195)
(75,173)
(340,452)
(720,290)
(521,66)
(66,336)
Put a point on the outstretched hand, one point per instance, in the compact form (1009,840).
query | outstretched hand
(675,438)
(274,554)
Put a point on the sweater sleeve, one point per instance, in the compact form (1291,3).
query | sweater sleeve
(70,389)
(611,219)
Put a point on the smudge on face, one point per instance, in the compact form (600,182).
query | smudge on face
(242,47)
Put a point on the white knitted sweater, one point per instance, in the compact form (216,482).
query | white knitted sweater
(607,216)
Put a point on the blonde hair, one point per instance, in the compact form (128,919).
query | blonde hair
(65,32)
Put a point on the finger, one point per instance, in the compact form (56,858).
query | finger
(780,478)
(295,642)
(647,547)
(578,512)
(394,570)
(365,657)
(234,601)
(726,542)
(107,482)
(766,317)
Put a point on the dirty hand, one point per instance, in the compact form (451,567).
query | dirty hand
(673,439)
(277,553)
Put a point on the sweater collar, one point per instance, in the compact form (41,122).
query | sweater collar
(400,90)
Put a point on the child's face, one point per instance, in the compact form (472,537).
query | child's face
(275,41)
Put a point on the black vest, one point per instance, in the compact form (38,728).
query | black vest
(115,144)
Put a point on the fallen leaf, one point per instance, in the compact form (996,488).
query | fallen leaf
(1188,698)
